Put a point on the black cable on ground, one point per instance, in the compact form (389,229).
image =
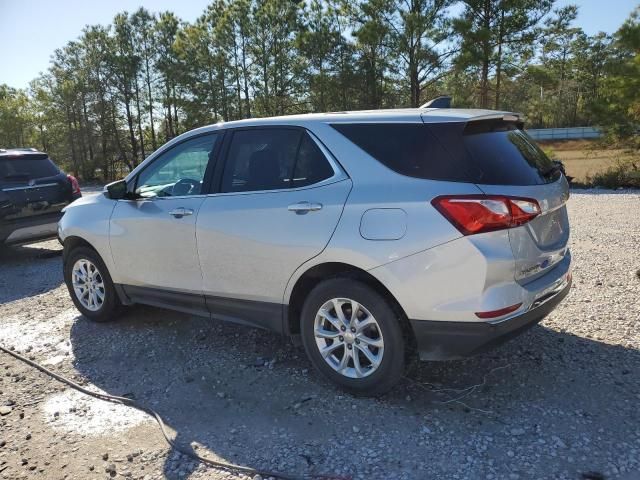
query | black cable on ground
(131,403)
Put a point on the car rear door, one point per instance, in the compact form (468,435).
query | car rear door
(503,160)
(280,199)
(543,242)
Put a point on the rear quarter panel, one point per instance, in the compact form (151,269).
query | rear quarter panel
(377,187)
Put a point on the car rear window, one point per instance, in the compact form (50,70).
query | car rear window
(484,152)
(27,167)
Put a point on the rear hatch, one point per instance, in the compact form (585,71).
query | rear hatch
(501,159)
(31,185)
(493,154)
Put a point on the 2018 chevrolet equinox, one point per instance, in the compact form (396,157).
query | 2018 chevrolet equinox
(369,236)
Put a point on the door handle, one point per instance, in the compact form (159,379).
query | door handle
(303,207)
(181,212)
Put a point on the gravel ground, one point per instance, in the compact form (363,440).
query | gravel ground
(560,401)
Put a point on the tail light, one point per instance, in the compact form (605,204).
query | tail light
(473,214)
(75,186)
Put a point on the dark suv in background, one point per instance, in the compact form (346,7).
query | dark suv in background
(33,192)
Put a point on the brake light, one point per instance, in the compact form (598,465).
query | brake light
(75,186)
(473,214)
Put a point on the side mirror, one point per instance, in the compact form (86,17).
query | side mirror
(116,190)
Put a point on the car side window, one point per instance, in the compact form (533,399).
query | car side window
(311,164)
(261,159)
(179,171)
(273,159)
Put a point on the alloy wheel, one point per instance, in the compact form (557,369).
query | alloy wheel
(88,284)
(348,337)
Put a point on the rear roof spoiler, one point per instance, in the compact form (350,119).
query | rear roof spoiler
(490,122)
(443,101)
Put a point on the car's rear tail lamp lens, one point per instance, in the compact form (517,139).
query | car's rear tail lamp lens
(523,210)
(473,214)
(498,313)
(75,186)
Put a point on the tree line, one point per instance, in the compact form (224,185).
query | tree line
(119,91)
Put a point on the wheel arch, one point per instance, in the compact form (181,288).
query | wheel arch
(323,271)
(72,242)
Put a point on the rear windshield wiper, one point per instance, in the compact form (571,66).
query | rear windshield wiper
(556,166)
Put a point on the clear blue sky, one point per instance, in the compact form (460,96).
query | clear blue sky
(33,29)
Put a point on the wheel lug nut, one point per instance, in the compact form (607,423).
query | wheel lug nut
(349,346)
(353,329)
(343,328)
(341,338)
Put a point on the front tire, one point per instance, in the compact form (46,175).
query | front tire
(90,285)
(353,336)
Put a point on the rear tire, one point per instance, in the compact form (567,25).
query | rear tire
(90,285)
(372,339)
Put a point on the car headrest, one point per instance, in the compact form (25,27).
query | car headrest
(264,170)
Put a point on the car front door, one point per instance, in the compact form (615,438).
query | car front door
(152,237)
(280,198)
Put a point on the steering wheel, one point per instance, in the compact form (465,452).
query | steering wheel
(185,186)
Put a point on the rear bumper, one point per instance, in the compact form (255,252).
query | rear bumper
(444,340)
(29,229)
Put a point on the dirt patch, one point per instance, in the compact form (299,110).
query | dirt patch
(76,413)
(583,158)
(571,145)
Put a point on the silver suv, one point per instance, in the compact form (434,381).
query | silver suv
(369,237)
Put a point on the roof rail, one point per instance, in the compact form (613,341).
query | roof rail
(19,151)
(443,101)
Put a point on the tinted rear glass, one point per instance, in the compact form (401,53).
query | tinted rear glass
(493,153)
(311,164)
(505,155)
(407,148)
(27,167)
